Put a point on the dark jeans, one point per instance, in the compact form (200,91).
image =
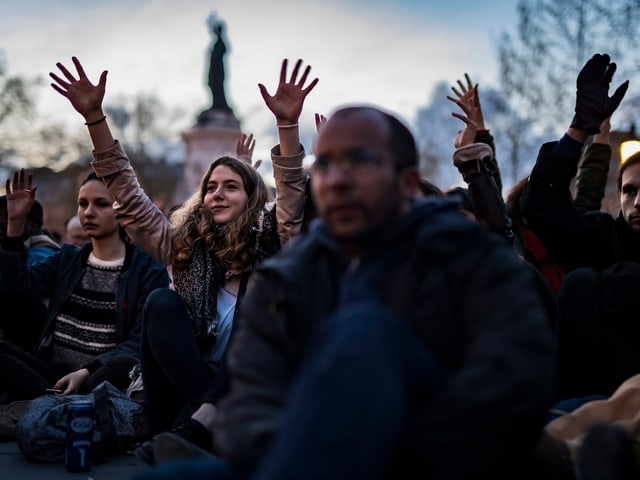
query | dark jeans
(350,407)
(23,376)
(598,330)
(173,372)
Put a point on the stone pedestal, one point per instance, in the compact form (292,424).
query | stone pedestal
(213,136)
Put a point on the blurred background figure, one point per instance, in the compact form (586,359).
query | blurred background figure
(73,233)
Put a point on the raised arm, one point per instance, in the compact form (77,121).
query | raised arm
(17,274)
(546,203)
(86,98)
(468,96)
(21,195)
(475,161)
(286,105)
(145,223)
(593,171)
(289,175)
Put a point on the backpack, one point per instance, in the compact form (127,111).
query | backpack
(118,421)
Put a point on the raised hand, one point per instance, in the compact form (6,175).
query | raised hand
(320,121)
(468,95)
(286,103)
(468,100)
(84,96)
(244,150)
(21,195)
(593,104)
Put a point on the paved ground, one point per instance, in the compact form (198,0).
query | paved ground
(14,466)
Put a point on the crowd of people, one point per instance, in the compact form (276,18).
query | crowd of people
(364,322)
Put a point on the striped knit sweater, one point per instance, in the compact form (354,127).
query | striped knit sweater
(85,326)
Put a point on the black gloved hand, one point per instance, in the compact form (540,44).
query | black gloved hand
(593,104)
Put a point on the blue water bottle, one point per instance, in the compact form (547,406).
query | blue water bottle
(78,456)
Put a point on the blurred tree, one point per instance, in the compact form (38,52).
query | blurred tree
(16,108)
(15,94)
(60,155)
(540,63)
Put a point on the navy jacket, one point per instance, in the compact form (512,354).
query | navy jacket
(55,278)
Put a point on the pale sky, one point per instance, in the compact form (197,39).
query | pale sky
(389,53)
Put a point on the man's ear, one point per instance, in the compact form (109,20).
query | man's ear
(409,183)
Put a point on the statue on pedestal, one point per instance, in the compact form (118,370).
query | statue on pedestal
(220,112)
(216,67)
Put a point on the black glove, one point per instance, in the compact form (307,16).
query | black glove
(593,104)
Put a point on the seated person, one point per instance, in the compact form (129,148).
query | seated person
(96,294)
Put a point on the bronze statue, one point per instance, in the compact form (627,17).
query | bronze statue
(216,66)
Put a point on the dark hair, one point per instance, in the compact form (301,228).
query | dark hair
(401,141)
(462,195)
(90,177)
(512,201)
(632,160)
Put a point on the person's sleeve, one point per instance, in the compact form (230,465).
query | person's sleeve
(474,162)
(547,207)
(593,173)
(484,136)
(17,276)
(492,408)
(290,179)
(144,222)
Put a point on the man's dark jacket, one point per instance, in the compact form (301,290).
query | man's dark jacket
(592,239)
(470,300)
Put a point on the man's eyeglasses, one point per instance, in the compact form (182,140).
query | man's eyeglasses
(355,161)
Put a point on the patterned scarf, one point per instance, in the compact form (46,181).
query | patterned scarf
(198,284)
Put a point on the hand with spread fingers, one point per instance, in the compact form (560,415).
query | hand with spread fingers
(244,150)
(84,96)
(286,103)
(468,99)
(21,195)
